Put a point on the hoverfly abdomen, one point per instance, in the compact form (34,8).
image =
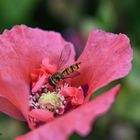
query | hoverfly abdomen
(58,76)
(71,69)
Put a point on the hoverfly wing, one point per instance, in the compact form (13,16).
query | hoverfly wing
(65,55)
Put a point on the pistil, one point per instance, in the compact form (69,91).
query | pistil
(48,98)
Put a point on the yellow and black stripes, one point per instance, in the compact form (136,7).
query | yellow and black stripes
(71,69)
(58,76)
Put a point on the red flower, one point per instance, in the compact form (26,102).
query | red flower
(29,57)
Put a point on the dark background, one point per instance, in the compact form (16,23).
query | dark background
(74,19)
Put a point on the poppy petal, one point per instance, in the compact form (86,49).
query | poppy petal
(22,50)
(79,120)
(9,109)
(39,115)
(76,95)
(15,92)
(31,46)
(106,57)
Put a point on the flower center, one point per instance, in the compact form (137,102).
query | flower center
(51,101)
(52,94)
(48,98)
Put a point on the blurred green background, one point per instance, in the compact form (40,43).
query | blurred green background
(74,19)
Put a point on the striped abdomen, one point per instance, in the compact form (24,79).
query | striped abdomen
(67,71)
(55,78)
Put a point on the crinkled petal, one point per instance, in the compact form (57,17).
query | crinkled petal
(38,117)
(40,76)
(22,50)
(9,109)
(106,57)
(76,95)
(41,115)
(49,68)
(79,120)
(39,83)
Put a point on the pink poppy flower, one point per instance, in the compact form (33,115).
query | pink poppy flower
(56,106)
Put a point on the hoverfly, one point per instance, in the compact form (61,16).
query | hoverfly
(67,72)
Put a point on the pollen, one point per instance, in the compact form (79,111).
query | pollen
(49,97)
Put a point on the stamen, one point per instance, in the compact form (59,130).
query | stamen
(49,100)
